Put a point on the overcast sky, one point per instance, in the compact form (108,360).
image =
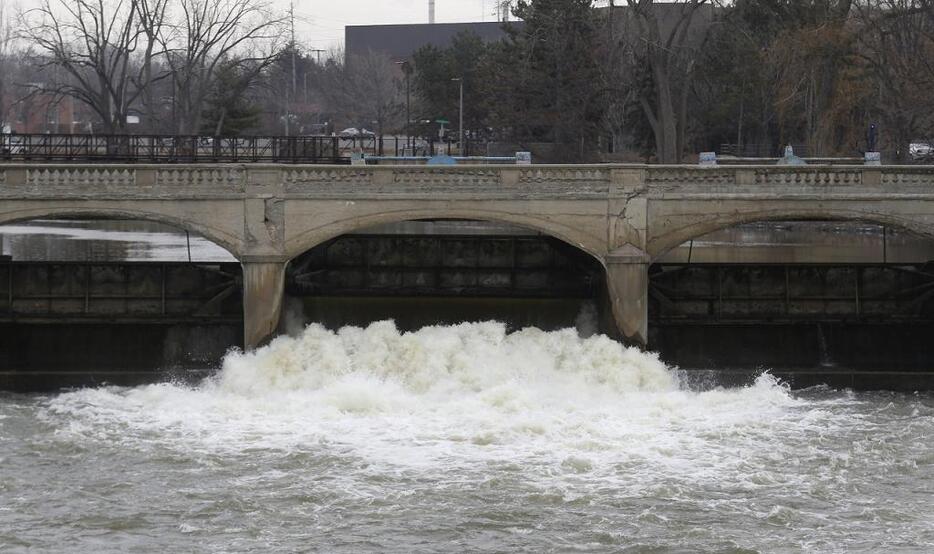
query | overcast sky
(323,21)
(320,23)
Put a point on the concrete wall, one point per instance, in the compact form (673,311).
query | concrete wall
(51,356)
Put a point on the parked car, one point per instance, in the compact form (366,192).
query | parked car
(354,132)
(921,150)
(13,144)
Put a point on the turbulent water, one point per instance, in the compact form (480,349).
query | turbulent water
(469,439)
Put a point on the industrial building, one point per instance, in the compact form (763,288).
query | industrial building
(401,41)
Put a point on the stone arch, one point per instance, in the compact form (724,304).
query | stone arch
(659,246)
(225,240)
(589,243)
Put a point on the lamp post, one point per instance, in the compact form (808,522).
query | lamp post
(460,128)
(174,104)
(408,104)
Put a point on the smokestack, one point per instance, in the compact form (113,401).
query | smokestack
(502,10)
(431,11)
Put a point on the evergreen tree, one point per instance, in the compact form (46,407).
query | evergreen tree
(548,82)
(229,112)
(435,71)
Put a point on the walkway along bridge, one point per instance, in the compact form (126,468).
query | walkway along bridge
(623,216)
(175,149)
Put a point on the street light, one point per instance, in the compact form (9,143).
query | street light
(408,104)
(461,125)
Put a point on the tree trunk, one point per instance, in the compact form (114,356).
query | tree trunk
(683,116)
(220,122)
(667,134)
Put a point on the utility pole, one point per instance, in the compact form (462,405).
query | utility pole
(290,94)
(460,132)
(292,42)
(502,10)
(174,104)
(317,52)
(408,104)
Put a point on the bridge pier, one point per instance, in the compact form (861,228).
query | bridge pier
(263,290)
(627,278)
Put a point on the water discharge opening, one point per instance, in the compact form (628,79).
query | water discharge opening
(431,272)
(115,301)
(855,299)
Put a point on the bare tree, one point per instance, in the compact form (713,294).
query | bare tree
(96,44)
(617,77)
(6,42)
(152,15)
(209,34)
(667,39)
(896,43)
(364,91)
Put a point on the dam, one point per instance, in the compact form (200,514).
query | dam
(608,249)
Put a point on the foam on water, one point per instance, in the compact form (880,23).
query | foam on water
(444,361)
(471,438)
(471,391)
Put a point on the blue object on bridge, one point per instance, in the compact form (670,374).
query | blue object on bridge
(442,160)
(790,158)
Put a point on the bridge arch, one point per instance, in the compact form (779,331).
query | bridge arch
(225,240)
(590,243)
(660,245)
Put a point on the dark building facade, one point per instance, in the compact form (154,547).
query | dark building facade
(401,41)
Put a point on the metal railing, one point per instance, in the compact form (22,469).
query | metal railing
(917,152)
(204,149)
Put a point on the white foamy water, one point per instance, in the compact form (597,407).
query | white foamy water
(464,438)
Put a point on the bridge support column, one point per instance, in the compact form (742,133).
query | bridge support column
(627,278)
(263,289)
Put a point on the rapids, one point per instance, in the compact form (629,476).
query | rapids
(464,438)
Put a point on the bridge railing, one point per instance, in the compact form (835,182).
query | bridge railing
(595,181)
(180,149)
(204,149)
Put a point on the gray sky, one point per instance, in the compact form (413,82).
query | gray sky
(320,23)
(323,21)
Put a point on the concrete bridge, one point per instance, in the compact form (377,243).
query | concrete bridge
(625,216)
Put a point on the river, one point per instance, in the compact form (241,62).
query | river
(464,439)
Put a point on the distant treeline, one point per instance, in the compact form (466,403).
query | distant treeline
(634,80)
(666,80)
